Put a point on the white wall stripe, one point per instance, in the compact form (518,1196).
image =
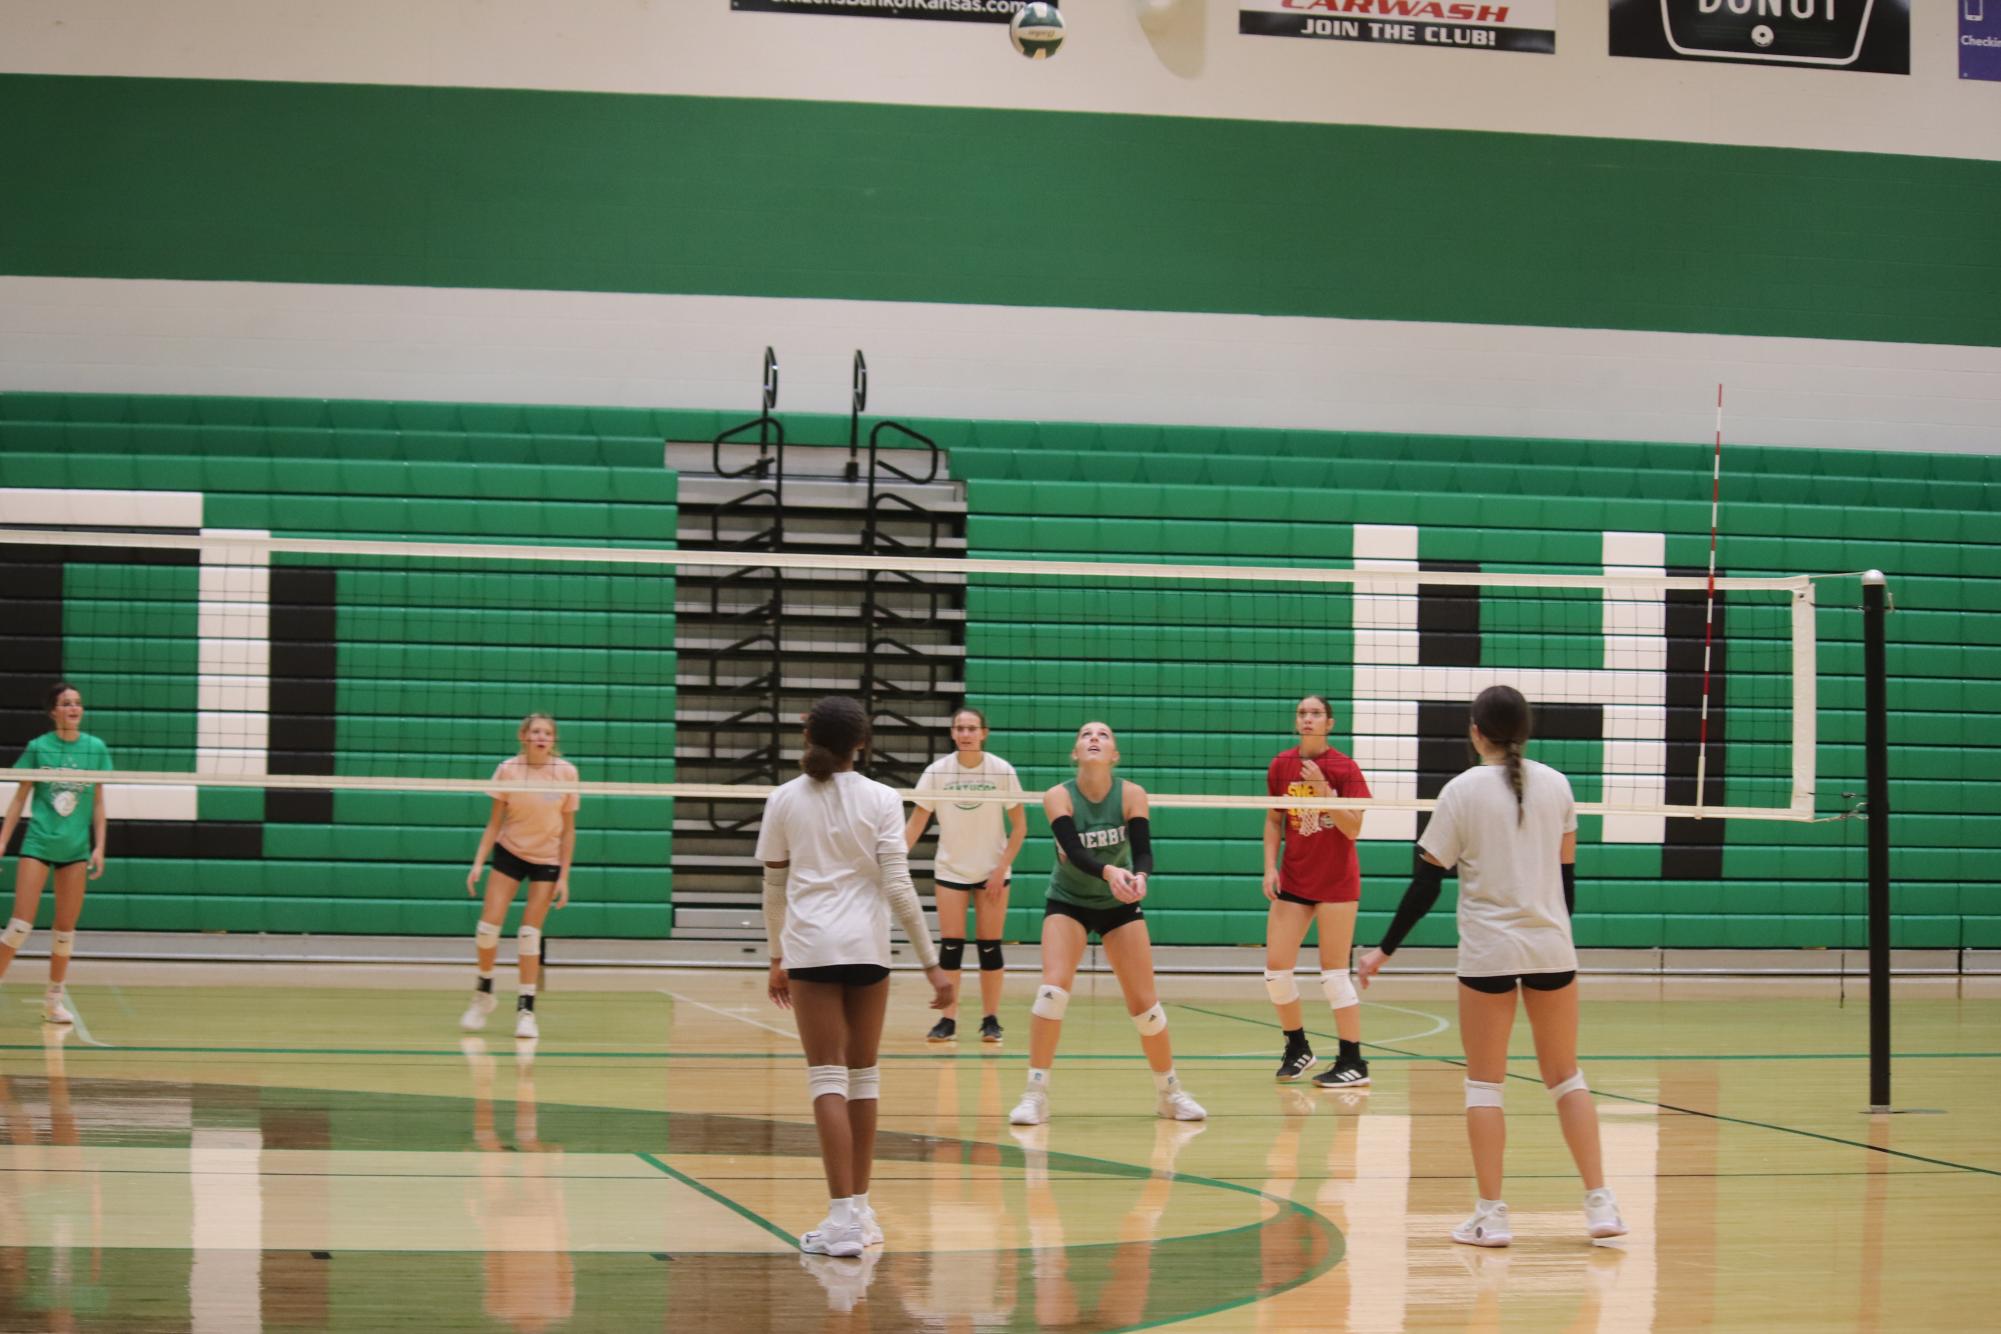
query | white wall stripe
(1635,623)
(232,730)
(87,508)
(990,362)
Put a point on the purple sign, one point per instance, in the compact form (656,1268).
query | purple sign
(1980,39)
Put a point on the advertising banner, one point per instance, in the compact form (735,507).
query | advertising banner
(1519,25)
(961,11)
(1870,36)
(1980,39)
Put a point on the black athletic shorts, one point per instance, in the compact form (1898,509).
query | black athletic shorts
(56,866)
(1102,921)
(962,886)
(514,868)
(1502,983)
(1286,896)
(841,974)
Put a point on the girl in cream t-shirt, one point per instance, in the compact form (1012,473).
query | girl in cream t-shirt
(531,837)
(1509,825)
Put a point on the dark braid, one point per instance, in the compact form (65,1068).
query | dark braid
(1515,781)
(1503,717)
(835,729)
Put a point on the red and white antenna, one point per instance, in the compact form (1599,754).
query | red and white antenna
(1709,608)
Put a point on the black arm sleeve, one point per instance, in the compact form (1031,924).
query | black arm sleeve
(1139,830)
(1065,830)
(1425,882)
(1569,889)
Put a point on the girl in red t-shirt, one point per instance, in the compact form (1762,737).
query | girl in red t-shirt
(1318,879)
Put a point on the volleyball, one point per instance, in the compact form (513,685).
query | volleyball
(1036,31)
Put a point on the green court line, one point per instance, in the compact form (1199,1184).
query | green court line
(760,1220)
(1068,1163)
(1336,1248)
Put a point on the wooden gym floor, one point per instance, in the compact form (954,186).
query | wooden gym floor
(243,1147)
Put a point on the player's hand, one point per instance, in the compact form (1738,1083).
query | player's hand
(778,986)
(96,867)
(1371,964)
(1271,884)
(1311,773)
(562,896)
(997,882)
(1138,882)
(472,882)
(941,986)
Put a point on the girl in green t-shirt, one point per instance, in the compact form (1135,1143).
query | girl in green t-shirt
(65,838)
(1105,848)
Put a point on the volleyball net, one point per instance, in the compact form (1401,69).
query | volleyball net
(217,663)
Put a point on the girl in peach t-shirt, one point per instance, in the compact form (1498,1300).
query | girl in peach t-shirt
(531,836)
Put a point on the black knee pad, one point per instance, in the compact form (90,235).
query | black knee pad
(951,953)
(990,956)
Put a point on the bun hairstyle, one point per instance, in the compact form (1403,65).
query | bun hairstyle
(835,729)
(55,694)
(1503,717)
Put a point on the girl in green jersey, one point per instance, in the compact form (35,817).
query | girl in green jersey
(65,838)
(1106,853)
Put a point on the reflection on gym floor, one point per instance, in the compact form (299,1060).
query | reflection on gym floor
(285,1181)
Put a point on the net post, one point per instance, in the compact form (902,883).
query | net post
(1877,796)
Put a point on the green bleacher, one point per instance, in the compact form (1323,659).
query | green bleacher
(1210,496)
(579,475)
(432,666)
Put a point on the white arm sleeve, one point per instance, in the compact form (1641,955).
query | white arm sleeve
(909,913)
(774,906)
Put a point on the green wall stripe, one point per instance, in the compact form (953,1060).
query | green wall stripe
(197,179)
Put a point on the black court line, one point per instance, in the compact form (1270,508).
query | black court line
(1669,1107)
(693,1059)
(1551,1176)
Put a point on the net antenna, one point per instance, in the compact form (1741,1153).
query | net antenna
(1709,605)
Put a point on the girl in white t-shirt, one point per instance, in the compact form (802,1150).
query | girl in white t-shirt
(531,836)
(974,859)
(835,869)
(1510,826)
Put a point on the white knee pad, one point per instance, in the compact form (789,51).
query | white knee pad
(1339,988)
(486,935)
(824,1079)
(63,943)
(864,1083)
(16,933)
(1050,1002)
(531,944)
(1283,988)
(1480,1093)
(1574,1084)
(1149,1022)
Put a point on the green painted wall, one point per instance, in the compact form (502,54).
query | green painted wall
(189,179)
